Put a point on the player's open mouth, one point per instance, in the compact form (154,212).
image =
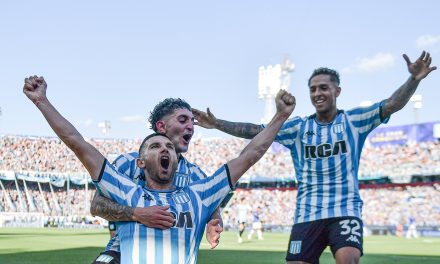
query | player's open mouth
(165,162)
(187,137)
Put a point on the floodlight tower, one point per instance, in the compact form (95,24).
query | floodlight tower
(270,80)
(417,100)
(105,127)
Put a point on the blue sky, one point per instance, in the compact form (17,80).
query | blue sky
(114,60)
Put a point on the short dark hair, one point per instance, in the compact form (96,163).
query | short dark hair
(334,75)
(164,108)
(142,146)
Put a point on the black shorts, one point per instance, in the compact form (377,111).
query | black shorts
(308,240)
(108,257)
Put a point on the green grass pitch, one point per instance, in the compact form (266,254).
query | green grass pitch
(35,246)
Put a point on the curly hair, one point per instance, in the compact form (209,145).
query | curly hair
(164,108)
(334,75)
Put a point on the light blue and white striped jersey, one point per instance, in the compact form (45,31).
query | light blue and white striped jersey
(326,160)
(191,206)
(126,164)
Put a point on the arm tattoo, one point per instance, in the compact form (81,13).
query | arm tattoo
(242,130)
(400,97)
(110,210)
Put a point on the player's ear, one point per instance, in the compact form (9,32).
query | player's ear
(161,126)
(140,163)
(338,91)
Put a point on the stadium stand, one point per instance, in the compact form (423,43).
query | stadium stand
(40,175)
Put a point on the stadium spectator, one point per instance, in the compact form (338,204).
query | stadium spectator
(326,148)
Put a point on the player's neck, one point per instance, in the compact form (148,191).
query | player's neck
(154,185)
(326,117)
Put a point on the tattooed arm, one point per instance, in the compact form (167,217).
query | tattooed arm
(152,216)
(110,210)
(209,121)
(418,70)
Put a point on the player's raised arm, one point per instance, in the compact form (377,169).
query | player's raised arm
(238,129)
(35,89)
(418,71)
(285,104)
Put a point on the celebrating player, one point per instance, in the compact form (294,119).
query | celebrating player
(326,149)
(190,206)
(173,118)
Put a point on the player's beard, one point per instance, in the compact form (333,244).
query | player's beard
(157,174)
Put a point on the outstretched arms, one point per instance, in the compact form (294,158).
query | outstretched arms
(418,70)
(209,121)
(35,89)
(285,104)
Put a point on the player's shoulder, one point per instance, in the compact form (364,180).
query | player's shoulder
(296,120)
(187,163)
(365,109)
(127,156)
(194,170)
(293,121)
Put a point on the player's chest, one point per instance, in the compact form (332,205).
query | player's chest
(324,141)
(180,204)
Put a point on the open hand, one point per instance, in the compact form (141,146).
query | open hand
(420,68)
(206,120)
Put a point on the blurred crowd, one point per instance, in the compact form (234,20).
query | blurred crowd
(395,161)
(59,205)
(42,154)
(382,206)
(390,206)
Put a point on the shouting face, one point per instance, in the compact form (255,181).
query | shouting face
(158,158)
(179,127)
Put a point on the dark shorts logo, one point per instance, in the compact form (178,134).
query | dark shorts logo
(295,247)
